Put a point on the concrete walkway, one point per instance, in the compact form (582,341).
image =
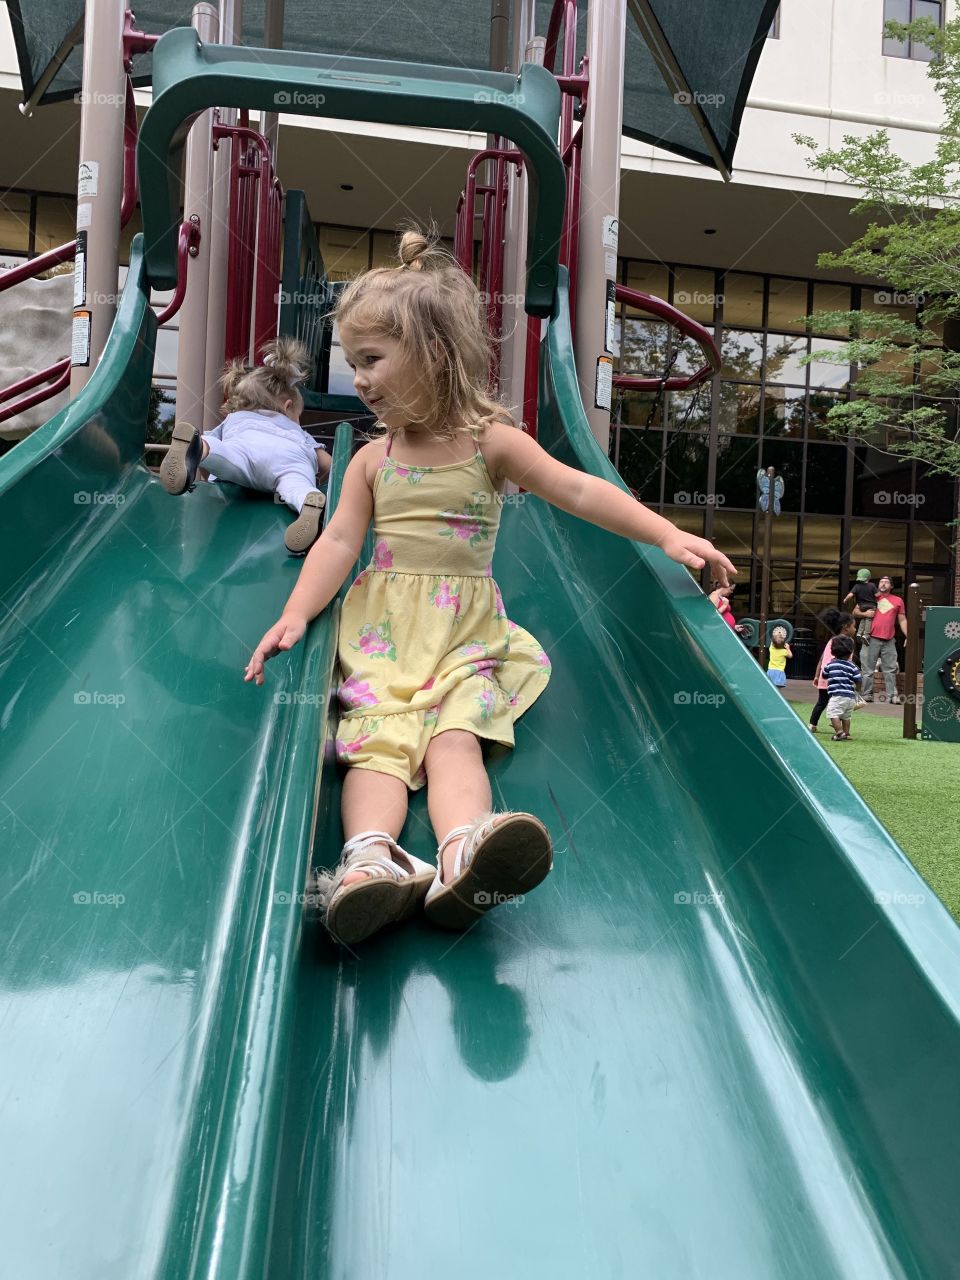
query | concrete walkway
(803,691)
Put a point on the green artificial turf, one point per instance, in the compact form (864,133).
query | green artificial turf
(912,787)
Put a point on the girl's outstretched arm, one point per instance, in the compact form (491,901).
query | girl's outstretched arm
(328,562)
(518,458)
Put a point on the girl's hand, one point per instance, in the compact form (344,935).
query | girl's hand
(283,635)
(694,552)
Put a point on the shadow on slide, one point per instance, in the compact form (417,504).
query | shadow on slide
(719,1042)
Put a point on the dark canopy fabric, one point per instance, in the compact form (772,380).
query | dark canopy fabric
(710,48)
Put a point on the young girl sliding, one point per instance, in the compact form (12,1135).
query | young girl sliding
(260,443)
(431,664)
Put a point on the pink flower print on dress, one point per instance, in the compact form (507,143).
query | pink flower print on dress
(466,524)
(356,693)
(376,641)
(501,611)
(485,667)
(468,650)
(345,749)
(429,684)
(542,660)
(382,555)
(485,701)
(412,475)
(443,595)
(430,716)
(360,578)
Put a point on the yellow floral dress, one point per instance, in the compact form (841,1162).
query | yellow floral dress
(425,642)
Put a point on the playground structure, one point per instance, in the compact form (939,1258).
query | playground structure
(708,1047)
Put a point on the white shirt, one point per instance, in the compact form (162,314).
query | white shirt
(266,422)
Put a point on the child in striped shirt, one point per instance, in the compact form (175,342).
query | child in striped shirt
(842,677)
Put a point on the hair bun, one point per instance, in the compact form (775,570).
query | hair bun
(287,359)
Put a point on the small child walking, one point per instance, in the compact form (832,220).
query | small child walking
(431,664)
(260,443)
(780,651)
(842,676)
(839,623)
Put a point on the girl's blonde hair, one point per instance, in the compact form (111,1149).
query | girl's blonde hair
(779,636)
(269,385)
(432,308)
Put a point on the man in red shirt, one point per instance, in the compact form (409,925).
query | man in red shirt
(882,645)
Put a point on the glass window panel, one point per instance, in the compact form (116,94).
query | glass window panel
(783,359)
(787,457)
(783,538)
(936,496)
(649,277)
(743,299)
(689,519)
(345,251)
(165,361)
(56,222)
(694,293)
(880,545)
(685,481)
(640,409)
(931,543)
(742,352)
(733,534)
(739,409)
(639,463)
(896,11)
(384,249)
(825,479)
(877,478)
(788,305)
(737,462)
(832,297)
(689,410)
(783,596)
(819,588)
(689,353)
(783,409)
(821,539)
(935,325)
(887,301)
(925,9)
(15,222)
(819,405)
(822,372)
(935,588)
(644,347)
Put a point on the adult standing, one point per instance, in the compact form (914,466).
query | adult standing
(881,645)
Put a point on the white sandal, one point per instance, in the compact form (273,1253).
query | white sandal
(502,856)
(392,891)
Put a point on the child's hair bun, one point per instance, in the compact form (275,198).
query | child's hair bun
(424,250)
(287,359)
(779,635)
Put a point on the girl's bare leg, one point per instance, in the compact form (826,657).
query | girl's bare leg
(372,801)
(458,789)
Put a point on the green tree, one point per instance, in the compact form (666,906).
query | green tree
(907,386)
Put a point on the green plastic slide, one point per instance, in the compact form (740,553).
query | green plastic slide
(719,1043)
